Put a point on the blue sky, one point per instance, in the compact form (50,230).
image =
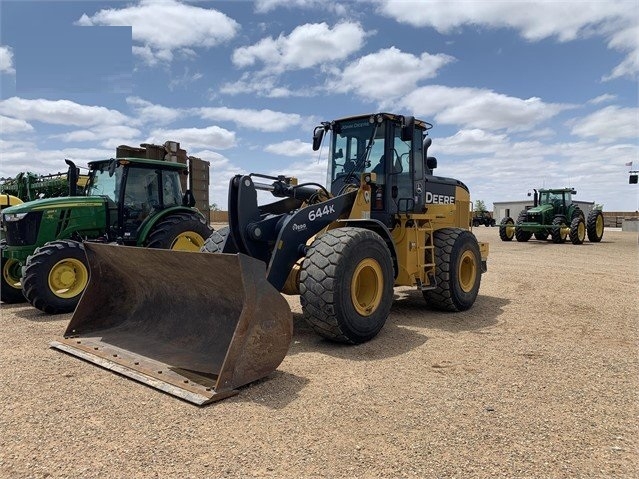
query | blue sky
(522,94)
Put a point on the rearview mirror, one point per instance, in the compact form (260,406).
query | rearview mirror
(318,136)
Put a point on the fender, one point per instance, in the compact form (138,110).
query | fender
(152,220)
(379,228)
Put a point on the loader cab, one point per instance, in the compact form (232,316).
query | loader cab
(392,147)
(135,191)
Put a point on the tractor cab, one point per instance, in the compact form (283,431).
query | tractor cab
(553,201)
(393,148)
(135,190)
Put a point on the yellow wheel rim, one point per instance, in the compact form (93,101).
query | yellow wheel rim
(581,231)
(599,225)
(510,230)
(10,273)
(467,272)
(188,241)
(367,286)
(68,278)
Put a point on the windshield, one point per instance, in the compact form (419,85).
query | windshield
(104,184)
(349,148)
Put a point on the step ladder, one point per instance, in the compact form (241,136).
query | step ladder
(427,256)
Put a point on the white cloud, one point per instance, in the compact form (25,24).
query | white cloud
(609,124)
(307,46)
(12,125)
(265,86)
(116,134)
(60,112)
(389,73)
(6,60)
(221,172)
(148,112)
(617,21)
(602,99)
(265,6)
(163,27)
(209,137)
(293,148)
(479,108)
(262,120)
(473,141)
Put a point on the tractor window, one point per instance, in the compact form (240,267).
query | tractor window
(141,196)
(171,190)
(103,184)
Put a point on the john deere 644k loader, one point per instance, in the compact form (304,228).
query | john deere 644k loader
(383,220)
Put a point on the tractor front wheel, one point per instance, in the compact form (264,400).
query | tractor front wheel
(11,287)
(457,270)
(346,284)
(507,229)
(521,234)
(55,276)
(541,235)
(577,230)
(595,226)
(180,231)
(559,231)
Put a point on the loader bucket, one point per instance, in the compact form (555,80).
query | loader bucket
(194,325)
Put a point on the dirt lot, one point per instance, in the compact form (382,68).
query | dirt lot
(539,379)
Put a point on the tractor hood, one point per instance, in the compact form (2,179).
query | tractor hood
(50,203)
(540,209)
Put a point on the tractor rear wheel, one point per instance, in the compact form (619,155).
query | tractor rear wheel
(520,234)
(346,284)
(595,226)
(11,288)
(577,230)
(180,231)
(507,229)
(457,270)
(559,232)
(55,276)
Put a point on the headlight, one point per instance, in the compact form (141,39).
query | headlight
(14,216)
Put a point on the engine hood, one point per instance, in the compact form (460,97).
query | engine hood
(54,203)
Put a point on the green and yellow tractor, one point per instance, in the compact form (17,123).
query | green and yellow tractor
(128,201)
(554,214)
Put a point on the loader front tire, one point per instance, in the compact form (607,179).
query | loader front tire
(180,231)
(457,268)
(10,285)
(217,242)
(507,229)
(595,226)
(346,284)
(55,276)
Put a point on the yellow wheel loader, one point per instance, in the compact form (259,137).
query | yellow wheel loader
(383,220)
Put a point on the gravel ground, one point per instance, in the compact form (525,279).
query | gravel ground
(539,380)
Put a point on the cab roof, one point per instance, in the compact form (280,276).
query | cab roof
(166,165)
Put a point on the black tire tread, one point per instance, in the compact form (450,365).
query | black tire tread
(33,272)
(164,231)
(9,294)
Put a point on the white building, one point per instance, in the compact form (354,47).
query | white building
(502,209)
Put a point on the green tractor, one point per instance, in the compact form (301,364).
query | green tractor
(130,201)
(554,214)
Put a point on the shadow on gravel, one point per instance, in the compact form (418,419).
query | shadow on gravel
(33,314)
(397,337)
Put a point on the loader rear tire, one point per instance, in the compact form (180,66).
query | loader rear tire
(55,276)
(346,284)
(10,285)
(457,270)
(558,231)
(577,230)
(595,226)
(507,229)
(180,231)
